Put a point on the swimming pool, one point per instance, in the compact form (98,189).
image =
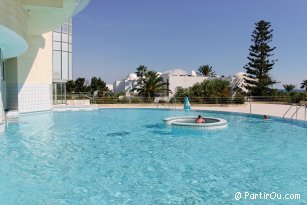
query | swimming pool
(128,156)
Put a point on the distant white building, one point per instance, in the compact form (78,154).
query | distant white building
(239,81)
(126,85)
(110,87)
(179,78)
(176,78)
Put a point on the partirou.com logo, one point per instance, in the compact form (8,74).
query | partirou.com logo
(266,196)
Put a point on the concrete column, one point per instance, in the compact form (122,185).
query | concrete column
(2,118)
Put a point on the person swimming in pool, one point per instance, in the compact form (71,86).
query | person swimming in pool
(265,117)
(199,119)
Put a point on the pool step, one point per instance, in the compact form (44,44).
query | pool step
(12,116)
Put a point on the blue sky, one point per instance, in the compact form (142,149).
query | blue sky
(111,38)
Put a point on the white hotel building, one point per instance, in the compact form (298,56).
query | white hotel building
(35,52)
(176,79)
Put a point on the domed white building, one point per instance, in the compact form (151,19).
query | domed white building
(132,76)
(175,72)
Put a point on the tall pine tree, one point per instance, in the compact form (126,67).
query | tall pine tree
(259,65)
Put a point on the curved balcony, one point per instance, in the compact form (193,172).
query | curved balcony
(45,15)
(11,43)
(18,18)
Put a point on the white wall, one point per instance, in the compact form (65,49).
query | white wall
(124,86)
(35,75)
(110,87)
(35,65)
(182,81)
(29,77)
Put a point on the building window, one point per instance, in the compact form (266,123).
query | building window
(65,29)
(65,47)
(70,66)
(56,46)
(59,93)
(57,36)
(65,65)
(57,67)
(62,52)
(65,37)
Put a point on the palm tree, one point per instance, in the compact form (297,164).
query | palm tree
(151,85)
(141,71)
(304,85)
(289,87)
(206,70)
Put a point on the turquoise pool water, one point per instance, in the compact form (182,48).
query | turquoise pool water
(128,156)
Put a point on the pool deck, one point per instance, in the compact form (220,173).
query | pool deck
(277,110)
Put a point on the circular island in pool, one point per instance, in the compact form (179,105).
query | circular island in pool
(188,122)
